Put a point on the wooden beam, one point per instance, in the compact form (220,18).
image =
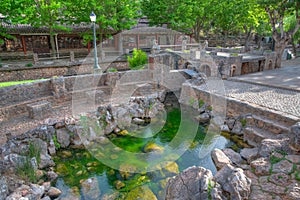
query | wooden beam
(24,44)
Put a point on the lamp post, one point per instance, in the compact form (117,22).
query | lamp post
(93,20)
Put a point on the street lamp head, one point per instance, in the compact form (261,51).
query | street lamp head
(93,17)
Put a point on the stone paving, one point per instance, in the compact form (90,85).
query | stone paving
(287,77)
(275,94)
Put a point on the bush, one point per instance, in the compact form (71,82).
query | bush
(138,60)
(29,65)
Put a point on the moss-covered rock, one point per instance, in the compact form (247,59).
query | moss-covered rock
(119,184)
(152,147)
(127,170)
(143,192)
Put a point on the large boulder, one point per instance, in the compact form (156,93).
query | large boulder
(63,137)
(295,137)
(249,154)
(90,189)
(233,156)
(219,158)
(234,181)
(192,183)
(270,145)
(261,166)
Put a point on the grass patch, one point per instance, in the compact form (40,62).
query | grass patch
(112,69)
(56,143)
(25,169)
(201,103)
(6,84)
(243,122)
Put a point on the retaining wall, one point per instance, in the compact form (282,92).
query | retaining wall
(235,107)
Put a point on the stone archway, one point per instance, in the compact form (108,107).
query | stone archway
(232,70)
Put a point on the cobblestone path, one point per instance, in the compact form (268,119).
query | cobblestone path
(286,101)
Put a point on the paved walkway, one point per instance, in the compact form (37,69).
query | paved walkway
(287,77)
(277,89)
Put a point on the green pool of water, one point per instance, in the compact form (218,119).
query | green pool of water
(76,166)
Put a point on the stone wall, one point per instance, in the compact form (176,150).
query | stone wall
(237,108)
(13,99)
(26,92)
(171,59)
(33,73)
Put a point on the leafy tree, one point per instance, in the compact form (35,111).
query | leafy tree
(38,13)
(113,16)
(290,23)
(277,10)
(188,16)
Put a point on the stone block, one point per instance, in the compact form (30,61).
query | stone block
(39,110)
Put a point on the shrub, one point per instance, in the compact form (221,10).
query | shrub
(29,65)
(138,60)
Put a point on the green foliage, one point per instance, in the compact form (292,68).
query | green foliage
(26,171)
(29,65)
(243,122)
(138,60)
(34,151)
(297,175)
(201,103)
(274,159)
(210,108)
(56,143)
(111,69)
(234,54)
(192,101)
(211,185)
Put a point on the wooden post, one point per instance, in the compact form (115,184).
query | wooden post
(89,47)
(24,44)
(116,42)
(156,37)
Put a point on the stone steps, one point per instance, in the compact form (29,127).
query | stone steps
(259,128)
(271,126)
(254,135)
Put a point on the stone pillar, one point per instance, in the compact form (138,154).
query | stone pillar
(58,88)
(35,58)
(72,56)
(120,43)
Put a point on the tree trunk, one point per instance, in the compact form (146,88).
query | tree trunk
(294,47)
(248,38)
(279,49)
